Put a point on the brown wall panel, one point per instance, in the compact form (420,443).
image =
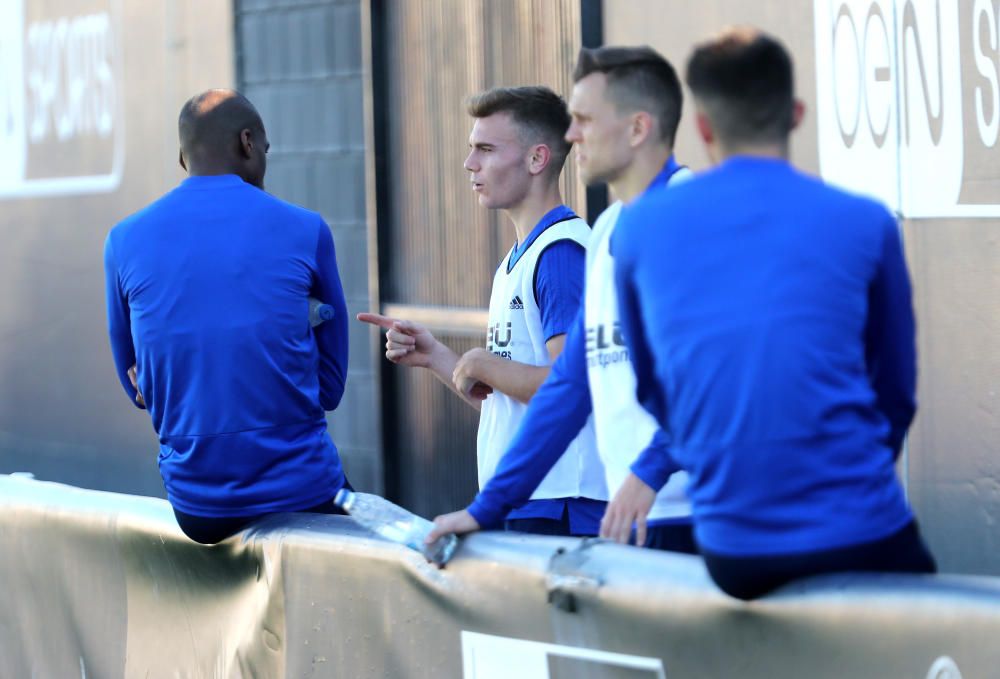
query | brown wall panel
(445,247)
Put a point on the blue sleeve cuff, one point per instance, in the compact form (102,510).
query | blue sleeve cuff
(654,466)
(486,516)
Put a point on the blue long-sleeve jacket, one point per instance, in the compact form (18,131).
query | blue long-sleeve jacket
(769,322)
(207,293)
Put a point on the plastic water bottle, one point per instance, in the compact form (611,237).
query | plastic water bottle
(319,312)
(396,524)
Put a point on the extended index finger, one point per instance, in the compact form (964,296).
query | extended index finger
(384,322)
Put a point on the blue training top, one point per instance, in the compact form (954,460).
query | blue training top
(769,321)
(207,292)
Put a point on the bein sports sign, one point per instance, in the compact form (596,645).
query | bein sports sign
(61,100)
(908,102)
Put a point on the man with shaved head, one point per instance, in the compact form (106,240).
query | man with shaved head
(207,296)
(221,133)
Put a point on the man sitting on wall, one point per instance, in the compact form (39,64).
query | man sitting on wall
(207,296)
(769,322)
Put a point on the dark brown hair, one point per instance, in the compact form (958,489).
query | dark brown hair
(744,84)
(538,111)
(639,79)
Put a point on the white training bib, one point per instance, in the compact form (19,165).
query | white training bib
(623,427)
(515,334)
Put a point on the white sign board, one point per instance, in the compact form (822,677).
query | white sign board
(897,82)
(62,123)
(485,656)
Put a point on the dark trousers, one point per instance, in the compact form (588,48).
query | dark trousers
(209,530)
(541,526)
(672,537)
(752,577)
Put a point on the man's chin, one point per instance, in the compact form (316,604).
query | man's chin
(591,175)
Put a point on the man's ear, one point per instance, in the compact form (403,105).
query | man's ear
(539,159)
(798,113)
(246,143)
(705,130)
(642,127)
(180,159)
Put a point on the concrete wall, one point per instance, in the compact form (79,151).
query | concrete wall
(90,136)
(300,62)
(106,585)
(62,413)
(952,470)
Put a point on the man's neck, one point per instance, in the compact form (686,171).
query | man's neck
(210,169)
(640,173)
(530,211)
(775,151)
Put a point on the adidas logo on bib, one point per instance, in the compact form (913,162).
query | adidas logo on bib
(516,303)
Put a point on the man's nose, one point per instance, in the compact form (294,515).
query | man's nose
(572,134)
